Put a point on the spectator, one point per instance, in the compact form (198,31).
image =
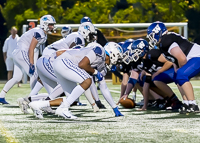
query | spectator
(9,46)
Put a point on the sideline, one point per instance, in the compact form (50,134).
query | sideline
(7,134)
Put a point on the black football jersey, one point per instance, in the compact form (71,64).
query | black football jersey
(100,38)
(151,63)
(168,39)
(132,65)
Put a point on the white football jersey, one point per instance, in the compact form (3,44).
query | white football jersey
(65,43)
(25,40)
(94,51)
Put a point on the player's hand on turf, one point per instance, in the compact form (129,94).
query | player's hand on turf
(123,97)
(142,109)
(31,69)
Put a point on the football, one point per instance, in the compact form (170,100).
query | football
(127,103)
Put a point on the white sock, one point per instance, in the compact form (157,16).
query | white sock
(89,97)
(76,93)
(186,102)
(192,102)
(45,103)
(39,96)
(56,92)
(38,86)
(106,93)
(2,94)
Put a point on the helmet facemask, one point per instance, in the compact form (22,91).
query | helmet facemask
(137,54)
(126,57)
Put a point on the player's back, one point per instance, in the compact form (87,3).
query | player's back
(76,55)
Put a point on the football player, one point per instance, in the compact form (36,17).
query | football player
(78,63)
(24,54)
(45,66)
(154,63)
(185,56)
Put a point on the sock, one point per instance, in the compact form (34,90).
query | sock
(192,102)
(89,97)
(76,93)
(106,94)
(38,86)
(56,92)
(2,94)
(39,96)
(186,102)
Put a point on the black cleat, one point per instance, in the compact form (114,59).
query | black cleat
(100,105)
(175,106)
(183,109)
(193,108)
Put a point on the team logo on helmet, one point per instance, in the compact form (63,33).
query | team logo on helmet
(141,45)
(45,19)
(156,29)
(87,27)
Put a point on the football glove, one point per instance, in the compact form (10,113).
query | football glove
(31,69)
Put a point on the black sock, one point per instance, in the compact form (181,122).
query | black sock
(29,98)
(47,98)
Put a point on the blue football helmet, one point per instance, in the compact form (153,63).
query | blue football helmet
(126,47)
(138,49)
(155,32)
(120,43)
(66,30)
(86,19)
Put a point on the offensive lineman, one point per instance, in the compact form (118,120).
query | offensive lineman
(24,54)
(79,63)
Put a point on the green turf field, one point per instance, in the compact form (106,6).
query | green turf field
(135,126)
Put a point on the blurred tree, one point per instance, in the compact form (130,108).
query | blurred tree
(17,12)
(97,10)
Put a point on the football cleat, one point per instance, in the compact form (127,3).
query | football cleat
(193,108)
(23,105)
(38,114)
(117,112)
(64,112)
(3,101)
(183,109)
(175,105)
(141,103)
(48,110)
(100,105)
(95,108)
(36,107)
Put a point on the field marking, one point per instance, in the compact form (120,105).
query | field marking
(7,134)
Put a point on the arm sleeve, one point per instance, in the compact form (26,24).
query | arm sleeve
(37,36)
(78,41)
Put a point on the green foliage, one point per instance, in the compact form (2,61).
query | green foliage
(16,12)
(97,10)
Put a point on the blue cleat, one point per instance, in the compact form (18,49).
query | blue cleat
(3,101)
(117,112)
